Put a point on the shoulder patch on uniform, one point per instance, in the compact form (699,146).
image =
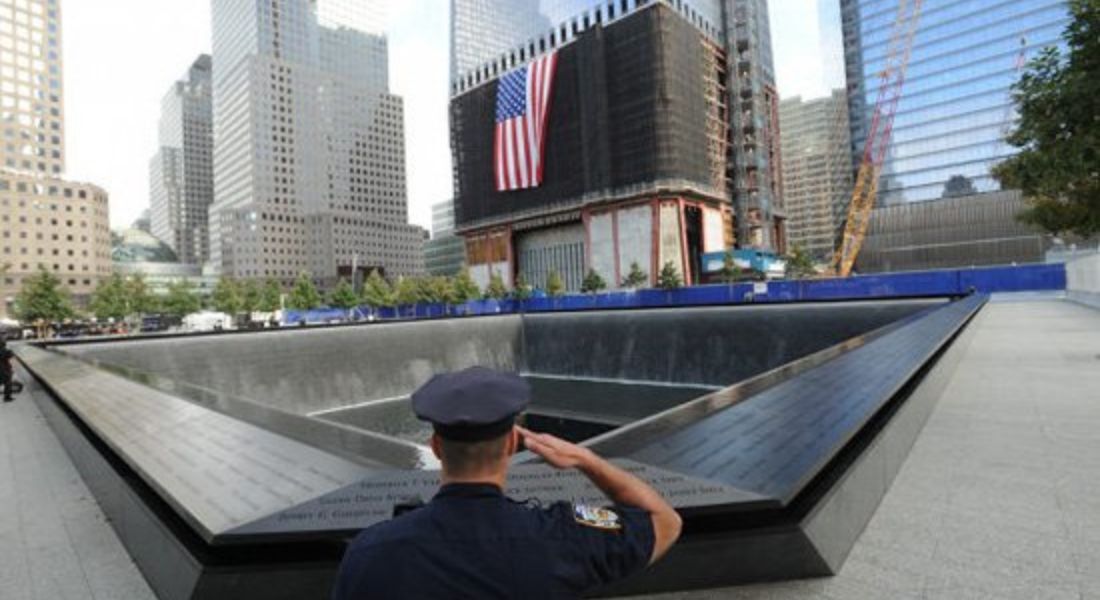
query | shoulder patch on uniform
(597,517)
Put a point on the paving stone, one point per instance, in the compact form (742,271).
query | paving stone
(1012,449)
(54,541)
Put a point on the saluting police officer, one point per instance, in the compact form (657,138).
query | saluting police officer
(472,541)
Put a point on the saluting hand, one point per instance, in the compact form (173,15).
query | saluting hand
(555,451)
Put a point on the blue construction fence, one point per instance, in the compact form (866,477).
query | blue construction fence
(915,284)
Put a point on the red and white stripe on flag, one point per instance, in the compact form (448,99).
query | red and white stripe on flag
(523,104)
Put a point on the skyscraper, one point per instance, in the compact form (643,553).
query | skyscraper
(817,170)
(955,107)
(491,37)
(754,117)
(45,221)
(181,174)
(444,254)
(309,153)
(633,167)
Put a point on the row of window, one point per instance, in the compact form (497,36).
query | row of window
(16,281)
(40,189)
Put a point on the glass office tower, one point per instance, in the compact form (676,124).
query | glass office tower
(955,107)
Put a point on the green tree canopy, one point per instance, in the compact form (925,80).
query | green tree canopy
(271,296)
(730,273)
(43,297)
(407,291)
(1058,133)
(593,282)
(799,264)
(555,287)
(111,299)
(496,290)
(522,290)
(442,289)
(636,278)
(226,296)
(181,299)
(251,295)
(465,289)
(377,292)
(142,299)
(117,297)
(669,277)
(425,291)
(344,296)
(304,295)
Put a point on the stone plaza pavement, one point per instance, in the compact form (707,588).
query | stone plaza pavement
(1000,497)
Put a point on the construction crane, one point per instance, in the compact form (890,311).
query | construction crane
(1007,121)
(891,81)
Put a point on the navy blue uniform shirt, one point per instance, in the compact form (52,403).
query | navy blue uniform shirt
(471,541)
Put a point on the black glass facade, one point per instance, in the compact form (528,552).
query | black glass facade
(615,122)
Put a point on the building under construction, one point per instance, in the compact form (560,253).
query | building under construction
(635,159)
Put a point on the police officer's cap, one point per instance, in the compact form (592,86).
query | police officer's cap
(472,405)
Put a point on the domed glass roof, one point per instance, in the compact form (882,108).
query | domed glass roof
(135,245)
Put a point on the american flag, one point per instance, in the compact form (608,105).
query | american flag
(523,101)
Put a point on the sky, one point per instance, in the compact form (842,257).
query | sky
(122,56)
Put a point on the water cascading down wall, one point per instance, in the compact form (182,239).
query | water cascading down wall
(267,450)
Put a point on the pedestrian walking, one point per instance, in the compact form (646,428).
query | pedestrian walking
(7,373)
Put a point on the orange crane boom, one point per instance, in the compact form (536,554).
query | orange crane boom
(891,81)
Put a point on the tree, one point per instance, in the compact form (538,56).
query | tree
(442,289)
(555,287)
(304,295)
(110,300)
(251,296)
(118,298)
(407,291)
(496,289)
(669,277)
(730,273)
(141,298)
(957,186)
(271,297)
(181,299)
(593,283)
(1058,132)
(376,292)
(344,296)
(42,297)
(522,289)
(465,289)
(226,297)
(636,278)
(799,264)
(434,290)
